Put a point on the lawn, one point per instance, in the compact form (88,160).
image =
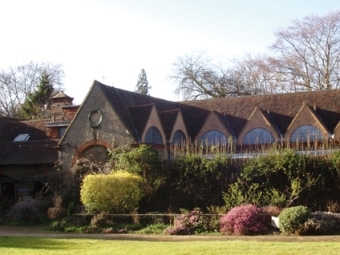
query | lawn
(43,246)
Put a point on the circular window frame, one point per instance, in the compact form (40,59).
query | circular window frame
(95,124)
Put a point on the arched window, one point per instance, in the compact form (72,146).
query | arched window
(179,137)
(214,137)
(153,136)
(306,133)
(258,136)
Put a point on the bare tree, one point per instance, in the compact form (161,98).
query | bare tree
(308,52)
(17,82)
(196,77)
(256,75)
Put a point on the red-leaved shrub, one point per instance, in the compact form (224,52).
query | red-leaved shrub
(186,224)
(245,220)
(272,210)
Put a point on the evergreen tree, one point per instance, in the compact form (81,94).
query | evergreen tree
(142,86)
(37,103)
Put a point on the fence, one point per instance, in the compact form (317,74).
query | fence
(147,219)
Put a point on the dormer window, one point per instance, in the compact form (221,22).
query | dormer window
(214,137)
(258,136)
(306,133)
(179,137)
(153,136)
(21,138)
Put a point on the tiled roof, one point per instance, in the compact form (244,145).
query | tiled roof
(140,116)
(11,128)
(28,153)
(123,101)
(168,119)
(38,149)
(35,128)
(5,124)
(61,94)
(280,109)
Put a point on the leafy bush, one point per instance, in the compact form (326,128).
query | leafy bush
(187,224)
(28,210)
(245,220)
(118,192)
(69,223)
(153,229)
(143,161)
(280,178)
(291,219)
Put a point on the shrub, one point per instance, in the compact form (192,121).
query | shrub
(153,229)
(272,210)
(117,192)
(245,220)
(27,210)
(67,223)
(57,211)
(143,161)
(187,224)
(333,206)
(71,209)
(100,220)
(321,224)
(291,219)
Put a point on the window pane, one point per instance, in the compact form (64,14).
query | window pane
(61,132)
(214,137)
(153,136)
(258,136)
(179,137)
(306,133)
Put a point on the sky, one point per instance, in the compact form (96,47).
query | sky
(112,40)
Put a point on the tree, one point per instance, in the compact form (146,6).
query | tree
(197,77)
(142,86)
(308,53)
(37,103)
(17,82)
(256,75)
(307,57)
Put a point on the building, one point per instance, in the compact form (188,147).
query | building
(111,117)
(28,150)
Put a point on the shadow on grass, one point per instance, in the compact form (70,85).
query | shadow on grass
(36,243)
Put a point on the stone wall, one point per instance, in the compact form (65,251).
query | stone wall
(80,136)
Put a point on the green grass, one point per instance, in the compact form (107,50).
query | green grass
(36,246)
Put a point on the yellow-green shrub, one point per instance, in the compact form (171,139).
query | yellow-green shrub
(118,192)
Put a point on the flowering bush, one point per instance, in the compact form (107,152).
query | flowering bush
(187,224)
(245,220)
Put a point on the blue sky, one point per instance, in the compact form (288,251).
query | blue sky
(112,40)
